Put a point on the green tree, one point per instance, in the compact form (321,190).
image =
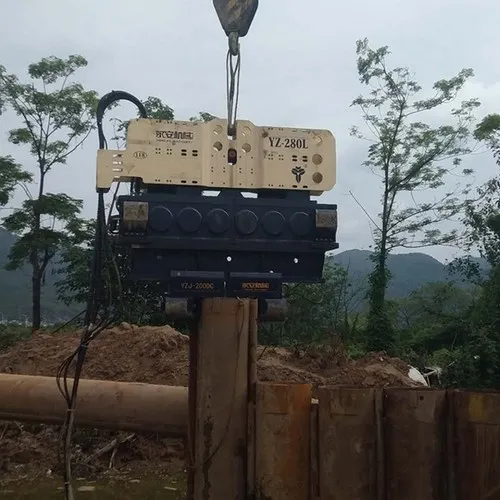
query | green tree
(75,260)
(203,116)
(434,317)
(140,302)
(158,110)
(155,108)
(318,311)
(476,364)
(409,156)
(11,175)
(56,116)
(482,215)
(488,130)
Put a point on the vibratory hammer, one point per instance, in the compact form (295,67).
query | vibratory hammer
(222,208)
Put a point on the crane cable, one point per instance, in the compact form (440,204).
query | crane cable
(108,310)
(233,70)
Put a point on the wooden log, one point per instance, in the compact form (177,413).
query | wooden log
(102,404)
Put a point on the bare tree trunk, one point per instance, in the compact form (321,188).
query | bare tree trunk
(36,277)
(36,286)
(380,329)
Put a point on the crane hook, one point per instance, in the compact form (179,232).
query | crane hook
(236,16)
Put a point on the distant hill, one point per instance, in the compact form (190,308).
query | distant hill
(410,271)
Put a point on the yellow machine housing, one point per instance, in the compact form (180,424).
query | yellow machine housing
(191,153)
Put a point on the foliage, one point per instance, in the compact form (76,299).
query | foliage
(409,156)
(434,317)
(11,175)
(485,343)
(140,302)
(10,334)
(155,108)
(317,311)
(483,221)
(476,364)
(482,216)
(75,261)
(488,130)
(202,117)
(56,116)
(158,110)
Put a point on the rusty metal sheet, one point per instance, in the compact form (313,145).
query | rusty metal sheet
(477,445)
(283,441)
(221,400)
(415,444)
(252,389)
(314,476)
(191,428)
(347,437)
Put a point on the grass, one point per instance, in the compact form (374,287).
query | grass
(10,334)
(146,488)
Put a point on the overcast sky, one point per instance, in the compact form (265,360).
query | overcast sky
(298,69)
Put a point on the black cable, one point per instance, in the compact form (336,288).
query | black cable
(106,101)
(74,318)
(104,263)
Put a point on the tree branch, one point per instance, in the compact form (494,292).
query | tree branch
(366,213)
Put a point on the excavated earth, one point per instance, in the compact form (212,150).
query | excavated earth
(157,355)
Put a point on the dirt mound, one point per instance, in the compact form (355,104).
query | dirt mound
(155,355)
(158,355)
(330,365)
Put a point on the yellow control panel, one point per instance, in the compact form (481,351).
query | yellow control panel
(202,154)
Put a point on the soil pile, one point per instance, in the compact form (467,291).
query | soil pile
(157,355)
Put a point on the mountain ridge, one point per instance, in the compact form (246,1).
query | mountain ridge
(409,272)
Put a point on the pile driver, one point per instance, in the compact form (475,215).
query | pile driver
(230,244)
(196,244)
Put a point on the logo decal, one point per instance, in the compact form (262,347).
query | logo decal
(298,172)
(140,155)
(174,134)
